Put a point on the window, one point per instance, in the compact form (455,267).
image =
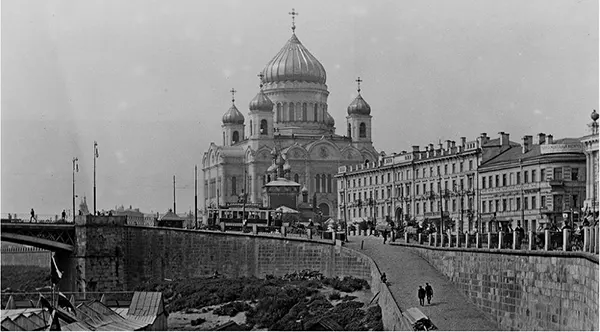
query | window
(438,171)
(359,181)
(542,202)
(461,166)
(430,171)
(318,183)
(483,182)
(291,112)
(296,178)
(388,176)
(518,177)
(542,175)
(453,205)
(354,183)
(382,182)
(483,206)
(574,174)
(497,180)
(453,168)
(497,207)
(316,119)
(371,180)
(417,190)
(279,112)
(424,188)
(418,208)
(264,130)
(526,203)
(518,203)
(533,174)
(462,184)
(510,204)
(470,165)
(504,205)
(525,177)
(304,113)
(236,137)
(504,184)
(445,169)
(491,181)
(416,173)
(470,182)
(362,130)
(533,203)
(558,175)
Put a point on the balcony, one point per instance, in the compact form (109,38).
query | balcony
(556,183)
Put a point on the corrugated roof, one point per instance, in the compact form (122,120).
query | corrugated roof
(516,152)
(26,319)
(146,304)
(101,318)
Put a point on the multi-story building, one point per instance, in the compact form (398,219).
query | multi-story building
(435,184)
(590,143)
(532,184)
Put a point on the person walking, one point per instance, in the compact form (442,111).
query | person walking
(32,216)
(429,292)
(64,215)
(385,235)
(421,294)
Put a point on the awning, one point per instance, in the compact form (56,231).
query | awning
(285,209)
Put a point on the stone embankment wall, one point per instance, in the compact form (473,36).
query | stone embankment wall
(22,256)
(524,290)
(155,254)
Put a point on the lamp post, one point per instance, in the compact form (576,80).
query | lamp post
(594,126)
(95,157)
(75,169)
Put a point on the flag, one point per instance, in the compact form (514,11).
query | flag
(96,149)
(55,273)
(63,301)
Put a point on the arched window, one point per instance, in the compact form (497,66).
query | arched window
(233,186)
(316,112)
(236,137)
(362,130)
(323,183)
(304,112)
(268,178)
(223,140)
(350,130)
(329,183)
(291,112)
(318,183)
(251,127)
(296,178)
(324,209)
(263,127)
(278,112)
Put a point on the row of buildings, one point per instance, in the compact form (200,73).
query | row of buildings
(478,184)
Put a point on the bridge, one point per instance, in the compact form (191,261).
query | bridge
(529,288)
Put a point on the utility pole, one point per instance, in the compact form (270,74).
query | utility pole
(75,169)
(196,196)
(174,205)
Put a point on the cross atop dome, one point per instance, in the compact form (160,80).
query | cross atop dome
(358,80)
(233,91)
(294,13)
(261,76)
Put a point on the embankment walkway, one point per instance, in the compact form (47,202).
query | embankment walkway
(450,310)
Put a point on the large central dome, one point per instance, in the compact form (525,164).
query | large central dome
(294,63)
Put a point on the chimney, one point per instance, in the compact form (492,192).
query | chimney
(403,152)
(431,151)
(541,138)
(504,139)
(448,146)
(527,140)
(549,139)
(484,138)
(415,148)
(463,141)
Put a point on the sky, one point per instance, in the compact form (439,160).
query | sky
(150,81)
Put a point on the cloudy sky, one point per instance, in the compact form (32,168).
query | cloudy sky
(150,80)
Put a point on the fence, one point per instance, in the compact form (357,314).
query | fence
(282,231)
(39,218)
(587,240)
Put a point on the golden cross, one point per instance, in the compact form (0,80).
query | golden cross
(261,77)
(294,13)
(233,91)
(358,81)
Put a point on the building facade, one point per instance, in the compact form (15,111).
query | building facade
(437,184)
(290,116)
(533,184)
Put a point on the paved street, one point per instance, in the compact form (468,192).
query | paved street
(449,310)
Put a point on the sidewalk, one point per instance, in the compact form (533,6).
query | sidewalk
(449,309)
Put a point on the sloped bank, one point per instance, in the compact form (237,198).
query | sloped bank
(523,290)
(178,254)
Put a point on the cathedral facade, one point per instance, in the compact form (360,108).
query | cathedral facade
(288,117)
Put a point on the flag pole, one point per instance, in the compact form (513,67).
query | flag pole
(95,155)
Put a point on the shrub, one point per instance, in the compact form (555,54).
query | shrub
(231,309)
(335,296)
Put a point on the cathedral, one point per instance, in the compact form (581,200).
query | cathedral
(288,122)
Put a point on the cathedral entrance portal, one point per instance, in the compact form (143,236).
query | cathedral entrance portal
(324,209)
(398,215)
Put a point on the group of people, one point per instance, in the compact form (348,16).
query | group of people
(425,292)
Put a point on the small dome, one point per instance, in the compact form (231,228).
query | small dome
(294,63)
(261,103)
(233,116)
(594,115)
(329,121)
(304,190)
(359,106)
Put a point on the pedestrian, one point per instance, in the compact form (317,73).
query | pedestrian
(64,215)
(384,278)
(32,216)
(385,235)
(421,294)
(429,292)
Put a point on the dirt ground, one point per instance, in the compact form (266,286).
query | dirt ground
(182,320)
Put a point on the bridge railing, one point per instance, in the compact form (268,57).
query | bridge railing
(586,240)
(38,218)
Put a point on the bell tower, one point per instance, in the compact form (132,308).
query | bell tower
(233,124)
(261,115)
(359,119)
